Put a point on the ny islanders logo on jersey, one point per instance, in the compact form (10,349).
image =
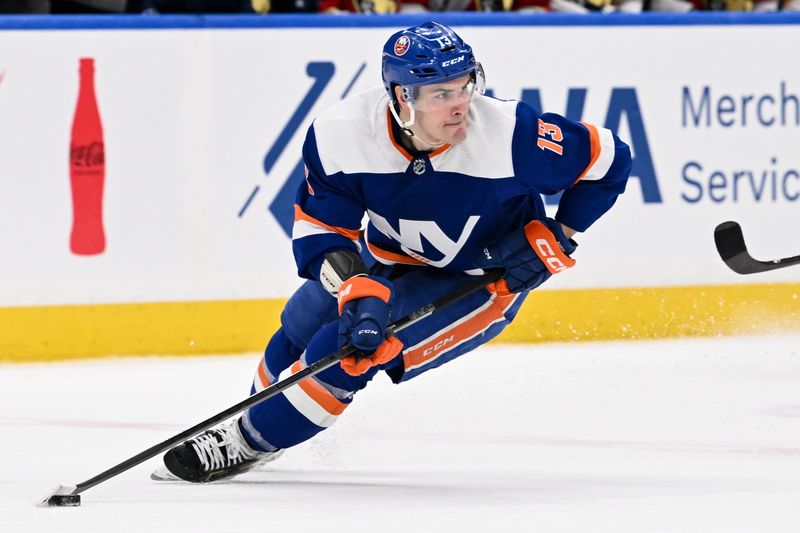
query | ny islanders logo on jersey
(410,234)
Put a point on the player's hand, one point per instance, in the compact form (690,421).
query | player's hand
(364,309)
(530,255)
(388,350)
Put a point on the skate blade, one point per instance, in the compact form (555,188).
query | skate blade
(162,474)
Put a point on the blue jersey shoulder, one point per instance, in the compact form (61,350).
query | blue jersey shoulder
(550,151)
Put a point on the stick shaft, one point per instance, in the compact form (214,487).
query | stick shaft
(276,388)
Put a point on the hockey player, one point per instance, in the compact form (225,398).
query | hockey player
(450,181)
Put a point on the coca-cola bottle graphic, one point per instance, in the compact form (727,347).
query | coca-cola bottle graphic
(87,169)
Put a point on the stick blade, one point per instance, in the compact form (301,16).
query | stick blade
(62,496)
(729,240)
(732,248)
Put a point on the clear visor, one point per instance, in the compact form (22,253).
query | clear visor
(443,95)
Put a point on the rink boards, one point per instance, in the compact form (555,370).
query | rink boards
(203,119)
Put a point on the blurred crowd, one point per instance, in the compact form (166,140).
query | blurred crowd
(155,7)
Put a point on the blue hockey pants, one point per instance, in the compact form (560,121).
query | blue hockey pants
(309,332)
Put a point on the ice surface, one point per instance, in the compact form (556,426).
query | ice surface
(691,436)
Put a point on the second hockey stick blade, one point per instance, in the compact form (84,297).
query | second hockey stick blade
(733,250)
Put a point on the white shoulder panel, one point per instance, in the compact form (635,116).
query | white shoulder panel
(486,152)
(352,136)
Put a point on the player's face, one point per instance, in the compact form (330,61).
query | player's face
(441,110)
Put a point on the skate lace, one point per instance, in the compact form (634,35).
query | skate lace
(222,447)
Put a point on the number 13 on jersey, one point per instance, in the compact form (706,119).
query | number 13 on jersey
(555,136)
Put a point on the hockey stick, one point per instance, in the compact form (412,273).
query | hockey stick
(732,249)
(69,496)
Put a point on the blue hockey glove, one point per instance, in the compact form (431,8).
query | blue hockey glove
(530,255)
(364,305)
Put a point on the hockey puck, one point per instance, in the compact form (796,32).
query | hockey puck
(64,500)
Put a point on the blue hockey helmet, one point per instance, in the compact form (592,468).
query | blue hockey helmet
(427,54)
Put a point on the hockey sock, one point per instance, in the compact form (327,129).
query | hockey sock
(314,404)
(278,356)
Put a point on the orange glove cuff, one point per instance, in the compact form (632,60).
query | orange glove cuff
(362,287)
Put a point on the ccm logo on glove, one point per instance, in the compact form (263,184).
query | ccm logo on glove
(547,247)
(530,255)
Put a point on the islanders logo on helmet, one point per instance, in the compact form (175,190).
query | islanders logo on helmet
(423,55)
(402,45)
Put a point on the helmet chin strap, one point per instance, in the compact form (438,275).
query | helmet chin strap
(407,124)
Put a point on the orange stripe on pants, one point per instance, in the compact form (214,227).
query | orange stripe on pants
(499,303)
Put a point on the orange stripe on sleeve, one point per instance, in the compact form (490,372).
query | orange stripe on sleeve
(594,141)
(351,234)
